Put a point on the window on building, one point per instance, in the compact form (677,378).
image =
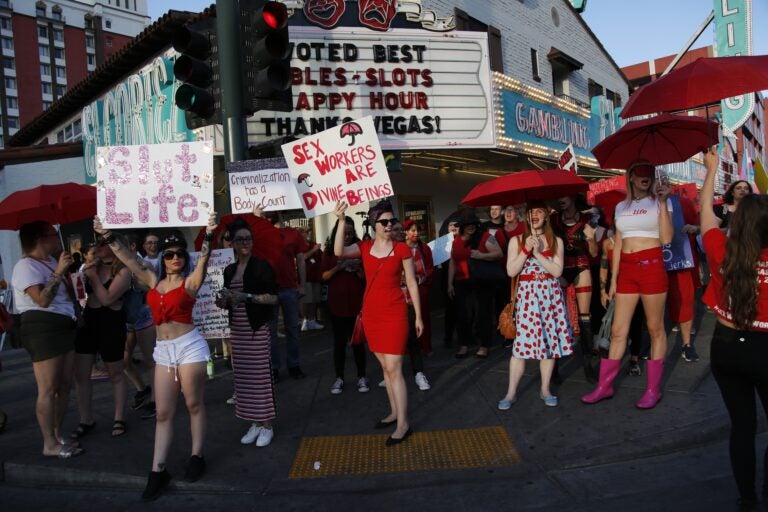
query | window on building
(45,69)
(88,21)
(108,41)
(8,63)
(5,23)
(91,59)
(466,22)
(47,105)
(595,89)
(56,13)
(77,128)
(89,41)
(61,72)
(40,10)
(42,31)
(68,132)
(61,90)
(13,122)
(12,102)
(58,53)
(58,35)
(535,64)
(562,67)
(60,136)
(10,82)
(613,97)
(8,43)
(47,88)
(108,24)
(44,51)
(5,4)
(118,2)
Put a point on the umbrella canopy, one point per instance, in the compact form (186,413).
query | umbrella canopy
(608,201)
(58,204)
(267,242)
(663,139)
(702,82)
(521,187)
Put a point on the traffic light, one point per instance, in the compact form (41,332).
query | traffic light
(267,56)
(198,67)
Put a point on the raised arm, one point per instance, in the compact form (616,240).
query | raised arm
(708,219)
(350,251)
(666,230)
(131,260)
(195,279)
(120,285)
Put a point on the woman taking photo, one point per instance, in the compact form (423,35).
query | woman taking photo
(250,293)
(104,333)
(345,300)
(643,223)
(181,352)
(385,313)
(542,323)
(42,295)
(738,295)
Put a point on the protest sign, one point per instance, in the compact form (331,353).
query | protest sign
(270,189)
(441,248)
(154,185)
(342,163)
(210,320)
(678,254)
(567,160)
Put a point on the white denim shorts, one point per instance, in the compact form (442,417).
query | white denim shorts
(186,349)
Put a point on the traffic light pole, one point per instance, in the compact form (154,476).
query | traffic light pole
(230,59)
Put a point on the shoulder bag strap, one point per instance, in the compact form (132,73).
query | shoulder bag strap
(384,259)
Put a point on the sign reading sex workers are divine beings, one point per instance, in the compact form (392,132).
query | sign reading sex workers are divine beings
(155,185)
(342,163)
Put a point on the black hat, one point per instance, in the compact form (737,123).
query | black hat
(173,240)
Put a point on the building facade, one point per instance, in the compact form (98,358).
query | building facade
(49,46)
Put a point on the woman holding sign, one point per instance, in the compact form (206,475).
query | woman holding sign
(385,312)
(181,352)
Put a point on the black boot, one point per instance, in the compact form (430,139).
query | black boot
(156,482)
(590,360)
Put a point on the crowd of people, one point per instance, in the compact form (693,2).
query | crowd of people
(562,264)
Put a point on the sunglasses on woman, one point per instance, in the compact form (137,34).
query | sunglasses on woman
(169,255)
(387,222)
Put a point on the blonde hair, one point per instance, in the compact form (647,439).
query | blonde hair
(627,176)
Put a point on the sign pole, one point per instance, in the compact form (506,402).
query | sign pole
(233,120)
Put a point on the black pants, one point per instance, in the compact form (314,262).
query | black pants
(450,308)
(414,350)
(738,361)
(485,321)
(464,303)
(342,331)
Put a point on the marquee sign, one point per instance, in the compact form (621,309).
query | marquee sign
(423,89)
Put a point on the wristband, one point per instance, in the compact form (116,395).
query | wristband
(526,251)
(209,237)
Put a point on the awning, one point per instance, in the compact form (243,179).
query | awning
(564,59)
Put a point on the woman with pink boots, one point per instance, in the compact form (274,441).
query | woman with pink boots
(643,223)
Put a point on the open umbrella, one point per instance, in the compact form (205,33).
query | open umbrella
(663,139)
(267,242)
(521,187)
(58,204)
(702,82)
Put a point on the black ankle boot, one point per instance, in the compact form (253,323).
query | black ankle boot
(157,481)
(590,360)
(195,468)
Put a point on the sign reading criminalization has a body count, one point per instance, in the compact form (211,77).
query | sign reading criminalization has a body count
(268,189)
(155,185)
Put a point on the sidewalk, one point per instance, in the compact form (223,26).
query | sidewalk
(464,395)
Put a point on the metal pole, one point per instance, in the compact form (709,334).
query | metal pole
(690,42)
(232,117)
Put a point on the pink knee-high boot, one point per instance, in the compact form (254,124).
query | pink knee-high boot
(609,368)
(652,395)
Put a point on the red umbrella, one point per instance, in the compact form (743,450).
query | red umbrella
(58,204)
(702,82)
(267,242)
(663,139)
(521,187)
(608,201)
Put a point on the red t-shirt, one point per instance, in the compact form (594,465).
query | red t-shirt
(293,243)
(714,245)
(314,264)
(345,289)
(460,255)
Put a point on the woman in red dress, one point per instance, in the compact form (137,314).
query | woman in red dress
(385,313)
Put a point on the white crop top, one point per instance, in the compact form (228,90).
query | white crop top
(639,218)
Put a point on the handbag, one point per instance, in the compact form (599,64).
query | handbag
(507,326)
(603,338)
(482,270)
(358,331)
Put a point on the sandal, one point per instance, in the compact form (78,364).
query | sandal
(67,451)
(82,430)
(118,428)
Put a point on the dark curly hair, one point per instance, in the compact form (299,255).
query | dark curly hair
(379,208)
(728,196)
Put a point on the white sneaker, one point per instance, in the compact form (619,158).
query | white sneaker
(337,386)
(280,334)
(232,401)
(265,437)
(383,383)
(314,324)
(305,325)
(422,382)
(251,435)
(362,385)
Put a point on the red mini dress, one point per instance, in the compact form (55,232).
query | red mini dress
(385,313)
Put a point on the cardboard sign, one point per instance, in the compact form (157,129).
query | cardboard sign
(270,189)
(154,185)
(342,163)
(441,249)
(210,320)
(606,185)
(678,254)
(567,160)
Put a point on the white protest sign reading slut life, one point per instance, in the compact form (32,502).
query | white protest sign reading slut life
(269,189)
(441,248)
(342,163)
(154,185)
(210,320)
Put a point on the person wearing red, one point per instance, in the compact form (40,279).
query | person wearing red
(291,290)
(512,228)
(385,312)
(313,260)
(738,295)
(643,224)
(422,260)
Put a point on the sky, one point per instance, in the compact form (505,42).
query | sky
(631,30)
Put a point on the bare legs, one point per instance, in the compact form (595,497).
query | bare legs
(84,387)
(53,377)
(516,370)
(392,365)
(654,315)
(145,339)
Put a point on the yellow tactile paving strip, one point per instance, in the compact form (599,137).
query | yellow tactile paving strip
(324,456)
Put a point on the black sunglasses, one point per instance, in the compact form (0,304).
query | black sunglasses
(387,222)
(181,254)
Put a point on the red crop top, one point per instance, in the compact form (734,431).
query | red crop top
(173,306)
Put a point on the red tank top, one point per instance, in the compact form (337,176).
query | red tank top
(173,306)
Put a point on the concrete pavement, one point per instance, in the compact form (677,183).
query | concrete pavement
(574,456)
